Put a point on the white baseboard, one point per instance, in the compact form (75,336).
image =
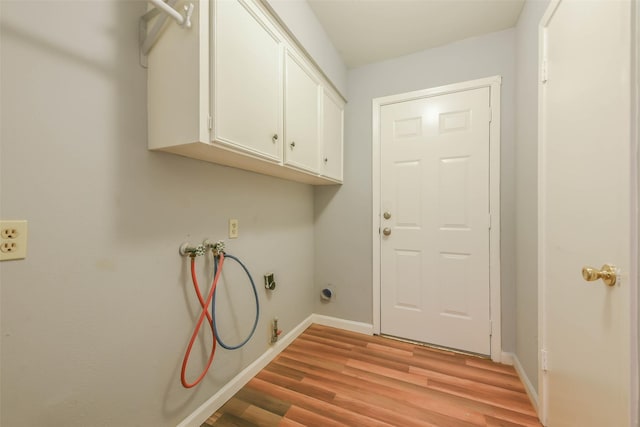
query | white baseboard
(515,362)
(214,403)
(348,325)
(507,358)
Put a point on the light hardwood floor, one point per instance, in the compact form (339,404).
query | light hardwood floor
(331,377)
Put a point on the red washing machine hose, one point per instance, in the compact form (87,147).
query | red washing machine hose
(205,314)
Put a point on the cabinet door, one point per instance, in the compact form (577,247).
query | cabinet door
(247,80)
(332,137)
(302,115)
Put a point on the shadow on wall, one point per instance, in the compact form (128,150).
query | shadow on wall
(142,183)
(119,313)
(323,197)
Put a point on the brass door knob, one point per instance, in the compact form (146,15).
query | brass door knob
(386,231)
(607,273)
(386,215)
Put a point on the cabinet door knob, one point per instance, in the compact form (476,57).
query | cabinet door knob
(293,144)
(274,138)
(326,160)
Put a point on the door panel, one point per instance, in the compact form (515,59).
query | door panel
(409,274)
(332,136)
(435,185)
(302,112)
(248,80)
(585,212)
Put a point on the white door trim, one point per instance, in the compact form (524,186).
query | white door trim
(493,83)
(542,71)
(634,274)
(635,215)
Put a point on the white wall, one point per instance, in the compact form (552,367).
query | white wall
(527,187)
(304,25)
(343,215)
(95,321)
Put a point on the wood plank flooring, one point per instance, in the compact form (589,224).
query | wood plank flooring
(331,377)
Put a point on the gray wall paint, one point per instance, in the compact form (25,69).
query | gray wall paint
(299,18)
(95,321)
(343,215)
(527,187)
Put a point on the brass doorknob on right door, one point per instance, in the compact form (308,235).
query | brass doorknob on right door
(386,215)
(607,273)
(386,231)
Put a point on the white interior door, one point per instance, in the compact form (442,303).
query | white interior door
(585,161)
(434,194)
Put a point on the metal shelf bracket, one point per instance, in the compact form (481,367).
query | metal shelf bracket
(149,38)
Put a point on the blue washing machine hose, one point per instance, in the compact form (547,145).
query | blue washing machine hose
(213,305)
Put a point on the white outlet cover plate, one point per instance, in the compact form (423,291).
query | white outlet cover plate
(19,229)
(233,228)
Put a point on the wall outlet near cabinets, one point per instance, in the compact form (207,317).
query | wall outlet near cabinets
(13,240)
(233,228)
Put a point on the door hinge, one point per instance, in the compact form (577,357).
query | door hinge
(544,71)
(210,121)
(490,328)
(490,114)
(544,360)
(489,221)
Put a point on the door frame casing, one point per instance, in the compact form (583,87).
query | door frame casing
(494,84)
(635,226)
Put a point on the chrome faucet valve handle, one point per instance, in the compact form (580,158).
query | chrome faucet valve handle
(217,247)
(193,251)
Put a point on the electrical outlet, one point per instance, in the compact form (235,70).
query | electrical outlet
(13,240)
(9,233)
(233,228)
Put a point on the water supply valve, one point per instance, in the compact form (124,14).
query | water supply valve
(193,251)
(217,247)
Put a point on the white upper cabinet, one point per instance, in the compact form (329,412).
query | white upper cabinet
(302,114)
(235,89)
(332,136)
(247,87)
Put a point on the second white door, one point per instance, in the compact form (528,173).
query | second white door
(434,195)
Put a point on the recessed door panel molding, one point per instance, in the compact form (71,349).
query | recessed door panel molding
(454,195)
(407,128)
(455,121)
(409,276)
(455,275)
(408,206)
(434,154)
